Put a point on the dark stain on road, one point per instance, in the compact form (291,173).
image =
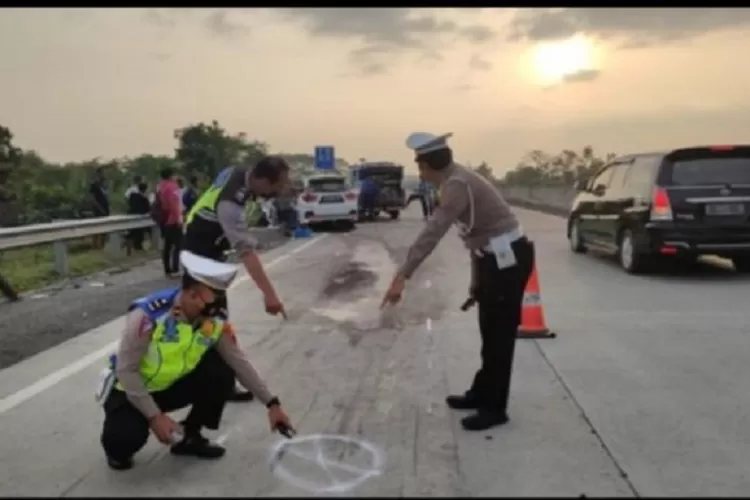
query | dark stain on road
(353,276)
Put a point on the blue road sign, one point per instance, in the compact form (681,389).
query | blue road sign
(325,158)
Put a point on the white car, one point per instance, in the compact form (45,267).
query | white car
(327,198)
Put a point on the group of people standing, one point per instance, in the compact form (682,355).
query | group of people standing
(168,204)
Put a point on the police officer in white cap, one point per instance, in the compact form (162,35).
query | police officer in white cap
(502,260)
(171,356)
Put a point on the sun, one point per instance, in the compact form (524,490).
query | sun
(553,61)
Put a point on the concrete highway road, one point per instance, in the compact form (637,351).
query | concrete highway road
(640,394)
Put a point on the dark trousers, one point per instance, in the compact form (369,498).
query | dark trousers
(426,208)
(137,237)
(220,309)
(206,389)
(170,253)
(500,298)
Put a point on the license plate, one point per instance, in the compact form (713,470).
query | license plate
(725,209)
(331,199)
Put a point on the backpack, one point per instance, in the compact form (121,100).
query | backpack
(158,214)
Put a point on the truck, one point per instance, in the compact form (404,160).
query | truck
(389,177)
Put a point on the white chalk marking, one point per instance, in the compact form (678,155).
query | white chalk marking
(11,401)
(335,485)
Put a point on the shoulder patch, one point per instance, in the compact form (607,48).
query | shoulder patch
(157,304)
(240,196)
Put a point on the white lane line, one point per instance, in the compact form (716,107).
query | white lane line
(11,401)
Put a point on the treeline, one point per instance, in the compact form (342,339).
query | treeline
(33,190)
(540,168)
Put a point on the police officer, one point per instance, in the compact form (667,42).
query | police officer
(171,356)
(217,223)
(502,259)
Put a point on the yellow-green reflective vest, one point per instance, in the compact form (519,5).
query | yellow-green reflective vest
(176,347)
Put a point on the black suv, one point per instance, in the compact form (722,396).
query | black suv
(682,203)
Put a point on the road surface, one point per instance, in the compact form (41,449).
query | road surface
(642,393)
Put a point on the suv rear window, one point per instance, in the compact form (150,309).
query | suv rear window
(327,185)
(708,166)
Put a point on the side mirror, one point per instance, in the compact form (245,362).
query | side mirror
(599,189)
(580,185)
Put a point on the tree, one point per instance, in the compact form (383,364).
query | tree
(206,149)
(485,171)
(540,168)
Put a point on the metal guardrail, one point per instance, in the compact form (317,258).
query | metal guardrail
(58,233)
(36,234)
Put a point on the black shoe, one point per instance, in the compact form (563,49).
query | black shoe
(483,420)
(198,446)
(241,396)
(462,402)
(120,464)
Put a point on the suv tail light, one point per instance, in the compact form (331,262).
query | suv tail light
(661,208)
(309,197)
(350,195)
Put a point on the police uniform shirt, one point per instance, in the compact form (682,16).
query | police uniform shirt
(466,199)
(136,339)
(211,233)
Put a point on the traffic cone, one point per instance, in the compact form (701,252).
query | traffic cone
(532,314)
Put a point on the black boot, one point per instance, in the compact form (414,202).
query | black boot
(465,401)
(483,420)
(195,445)
(241,396)
(120,464)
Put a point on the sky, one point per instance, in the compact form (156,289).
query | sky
(83,83)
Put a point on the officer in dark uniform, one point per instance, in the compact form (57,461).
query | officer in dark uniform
(217,224)
(502,259)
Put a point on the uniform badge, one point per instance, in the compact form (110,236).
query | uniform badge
(240,196)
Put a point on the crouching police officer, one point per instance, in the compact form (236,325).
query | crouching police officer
(171,356)
(502,260)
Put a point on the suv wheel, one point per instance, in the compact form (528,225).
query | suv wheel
(741,264)
(574,237)
(630,260)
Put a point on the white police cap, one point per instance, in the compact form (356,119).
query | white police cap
(424,142)
(212,273)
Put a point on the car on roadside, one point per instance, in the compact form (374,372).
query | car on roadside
(327,198)
(681,204)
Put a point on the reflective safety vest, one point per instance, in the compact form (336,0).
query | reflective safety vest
(176,347)
(206,204)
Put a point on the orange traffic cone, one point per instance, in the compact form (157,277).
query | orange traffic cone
(532,314)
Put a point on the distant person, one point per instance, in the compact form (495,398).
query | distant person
(425,194)
(100,203)
(368,197)
(138,204)
(137,180)
(168,206)
(286,209)
(190,194)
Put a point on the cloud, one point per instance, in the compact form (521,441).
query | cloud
(477,63)
(385,33)
(219,24)
(584,75)
(635,28)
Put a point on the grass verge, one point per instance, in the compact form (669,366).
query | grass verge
(30,268)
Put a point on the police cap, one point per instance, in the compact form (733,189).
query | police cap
(214,274)
(424,142)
